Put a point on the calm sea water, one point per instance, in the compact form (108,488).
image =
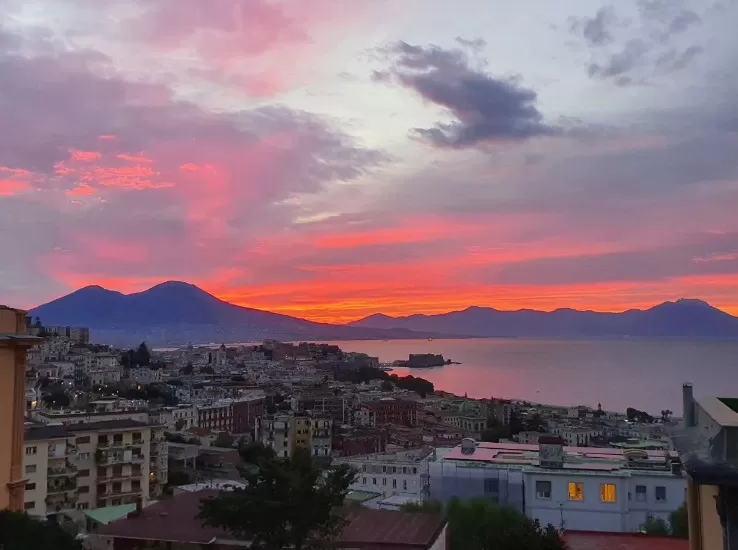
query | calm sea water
(619,374)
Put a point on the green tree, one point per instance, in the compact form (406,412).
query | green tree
(18,531)
(679,523)
(180,424)
(287,503)
(495,432)
(188,369)
(143,357)
(387,385)
(655,526)
(479,524)
(224,439)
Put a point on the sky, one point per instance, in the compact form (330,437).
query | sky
(331,159)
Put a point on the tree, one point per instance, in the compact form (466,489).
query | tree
(143,357)
(180,424)
(56,399)
(387,385)
(224,439)
(495,432)
(287,503)
(666,415)
(425,507)
(18,531)
(678,522)
(479,524)
(654,526)
(187,370)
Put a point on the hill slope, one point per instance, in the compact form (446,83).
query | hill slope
(680,319)
(176,313)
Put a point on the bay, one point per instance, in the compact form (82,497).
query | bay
(647,375)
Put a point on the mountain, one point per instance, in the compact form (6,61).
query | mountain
(681,319)
(174,313)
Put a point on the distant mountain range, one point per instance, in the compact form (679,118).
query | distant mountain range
(175,313)
(680,319)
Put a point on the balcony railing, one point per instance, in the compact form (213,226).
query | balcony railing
(61,488)
(110,444)
(69,470)
(119,493)
(70,450)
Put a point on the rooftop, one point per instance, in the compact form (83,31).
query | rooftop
(37,433)
(593,459)
(413,455)
(590,540)
(175,520)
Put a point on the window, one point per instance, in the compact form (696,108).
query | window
(374,481)
(30,486)
(394,484)
(607,492)
(29,505)
(83,506)
(384,481)
(641,493)
(661,493)
(31,469)
(384,469)
(83,456)
(492,485)
(83,489)
(85,439)
(543,489)
(415,470)
(404,469)
(363,481)
(83,473)
(576,490)
(404,484)
(30,451)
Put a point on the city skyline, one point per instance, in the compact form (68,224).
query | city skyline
(330,161)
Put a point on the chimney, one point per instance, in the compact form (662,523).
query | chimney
(551,452)
(688,406)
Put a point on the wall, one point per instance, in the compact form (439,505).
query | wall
(7,396)
(441,541)
(712,530)
(449,479)
(591,514)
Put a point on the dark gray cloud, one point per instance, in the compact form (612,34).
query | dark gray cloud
(485,109)
(635,59)
(597,30)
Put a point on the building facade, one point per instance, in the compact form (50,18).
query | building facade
(394,411)
(14,345)
(577,488)
(92,465)
(402,472)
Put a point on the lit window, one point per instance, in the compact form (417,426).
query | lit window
(660,493)
(641,493)
(576,490)
(607,492)
(543,489)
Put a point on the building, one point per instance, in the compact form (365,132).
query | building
(402,472)
(580,488)
(246,411)
(360,442)
(14,345)
(707,442)
(285,432)
(92,465)
(80,335)
(338,407)
(217,417)
(389,410)
(174,523)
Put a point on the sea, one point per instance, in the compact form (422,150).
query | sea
(646,375)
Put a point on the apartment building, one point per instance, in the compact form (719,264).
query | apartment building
(389,410)
(92,465)
(285,432)
(14,346)
(217,417)
(402,472)
(576,488)
(337,407)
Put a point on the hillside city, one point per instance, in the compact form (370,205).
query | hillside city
(110,432)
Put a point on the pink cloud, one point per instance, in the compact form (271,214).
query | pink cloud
(84,156)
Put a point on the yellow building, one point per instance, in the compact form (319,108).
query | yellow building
(14,344)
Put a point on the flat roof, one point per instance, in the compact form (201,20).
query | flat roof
(37,433)
(594,459)
(596,540)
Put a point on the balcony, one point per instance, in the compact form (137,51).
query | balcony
(108,460)
(55,504)
(119,493)
(68,470)
(120,476)
(69,451)
(113,444)
(68,486)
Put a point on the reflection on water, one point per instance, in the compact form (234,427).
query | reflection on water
(620,374)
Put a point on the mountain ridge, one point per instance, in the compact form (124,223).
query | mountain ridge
(175,312)
(683,318)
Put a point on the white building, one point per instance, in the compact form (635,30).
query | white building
(577,488)
(402,472)
(145,375)
(100,377)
